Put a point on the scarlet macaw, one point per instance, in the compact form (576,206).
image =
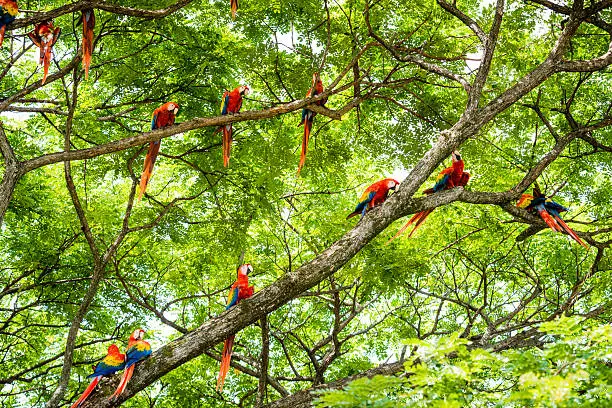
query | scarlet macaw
(44,36)
(549,211)
(162,117)
(137,350)
(8,13)
(89,22)
(239,290)
(450,177)
(231,103)
(113,362)
(308,116)
(374,195)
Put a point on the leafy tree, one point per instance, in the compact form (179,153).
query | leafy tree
(484,306)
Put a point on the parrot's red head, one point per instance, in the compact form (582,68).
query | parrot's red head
(392,184)
(245,269)
(173,107)
(137,335)
(456,156)
(315,77)
(244,90)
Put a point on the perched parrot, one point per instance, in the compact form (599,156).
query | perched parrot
(549,211)
(44,36)
(8,13)
(239,290)
(89,22)
(113,362)
(234,7)
(137,350)
(231,103)
(162,117)
(308,116)
(374,195)
(450,177)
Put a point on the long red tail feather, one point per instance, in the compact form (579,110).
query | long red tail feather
(570,231)
(226,357)
(88,38)
(305,139)
(549,220)
(125,378)
(2,29)
(46,62)
(416,219)
(234,7)
(147,169)
(420,221)
(86,393)
(351,215)
(227,144)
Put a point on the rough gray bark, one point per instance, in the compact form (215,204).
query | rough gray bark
(100,5)
(264,361)
(12,173)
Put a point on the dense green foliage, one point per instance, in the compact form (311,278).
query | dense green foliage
(572,370)
(476,307)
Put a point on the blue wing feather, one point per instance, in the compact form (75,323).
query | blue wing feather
(225,105)
(154,122)
(363,204)
(441,184)
(134,355)
(554,208)
(233,300)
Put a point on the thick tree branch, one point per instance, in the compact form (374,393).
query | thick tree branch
(100,5)
(12,173)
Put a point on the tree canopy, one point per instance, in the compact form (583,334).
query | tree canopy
(483,306)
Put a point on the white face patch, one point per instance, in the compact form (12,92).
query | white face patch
(136,334)
(391,184)
(171,107)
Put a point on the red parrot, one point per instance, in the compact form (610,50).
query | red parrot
(374,195)
(450,177)
(113,362)
(44,36)
(308,116)
(549,211)
(162,117)
(89,22)
(137,350)
(234,7)
(239,290)
(8,13)
(231,103)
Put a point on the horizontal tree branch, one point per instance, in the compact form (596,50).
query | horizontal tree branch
(99,5)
